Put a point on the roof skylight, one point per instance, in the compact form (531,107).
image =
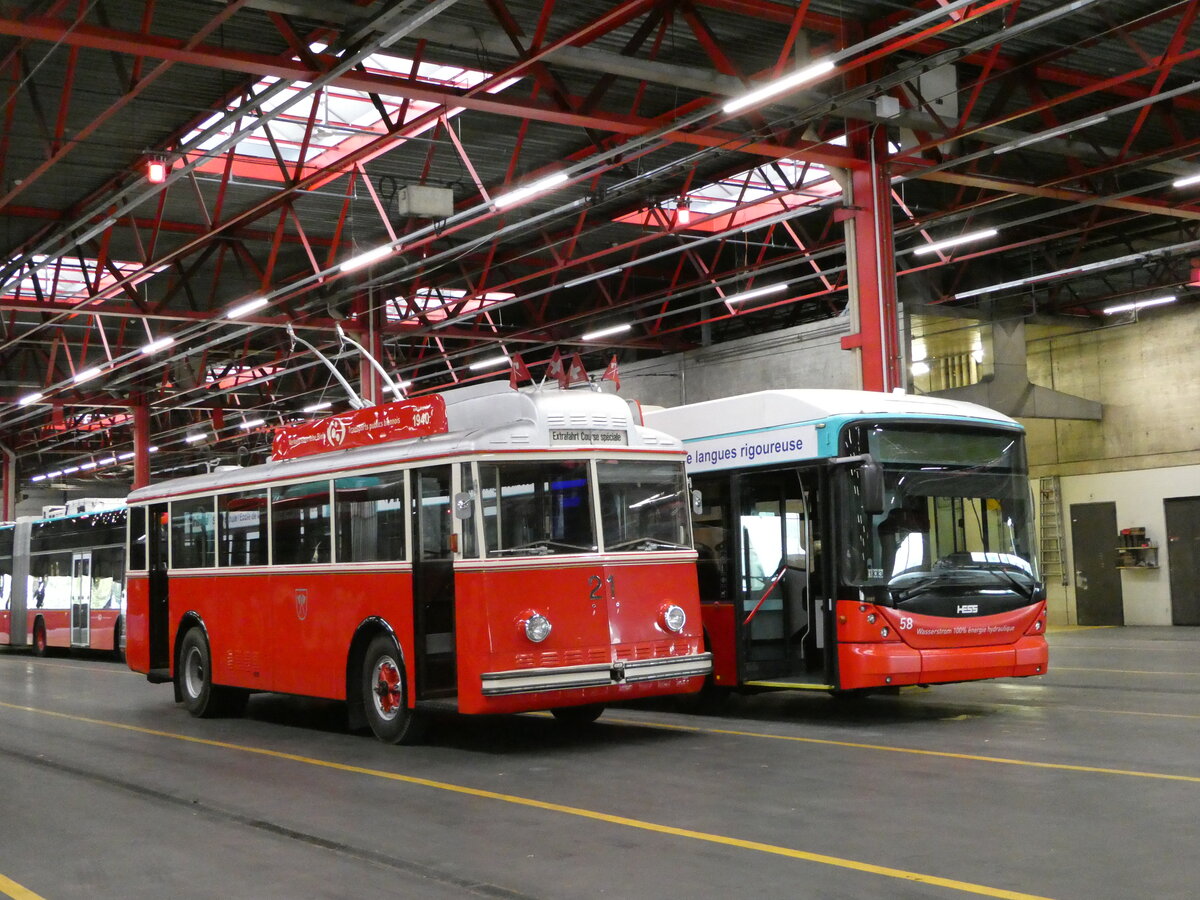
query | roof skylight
(346,119)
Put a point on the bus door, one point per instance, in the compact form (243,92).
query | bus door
(159,625)
(433,582)
(774,608)
(81,598)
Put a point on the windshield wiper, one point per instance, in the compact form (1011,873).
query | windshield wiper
(648,543)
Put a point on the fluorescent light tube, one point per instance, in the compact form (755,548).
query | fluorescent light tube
(317,407)
(365,259)
(605,332)
(253,423)
(87,374)
(490,363)
(30,398)
(955,241)
(1186,181)
(1139,304)
(246,308)
(808,73)
(161,344)
(524,193)
(756,292)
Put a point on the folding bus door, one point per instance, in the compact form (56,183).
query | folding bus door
(159,625)
(81,598)
(772,572)
(433,582)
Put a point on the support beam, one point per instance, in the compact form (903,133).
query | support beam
(872,264)
(141,442)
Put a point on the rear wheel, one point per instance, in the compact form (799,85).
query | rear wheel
(193,674)
(385,695)
(41,646)
(577,716)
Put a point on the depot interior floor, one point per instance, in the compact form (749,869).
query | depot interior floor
(1084,783)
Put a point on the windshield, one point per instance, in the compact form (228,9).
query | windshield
(535,508)
(956,531)
(643,505)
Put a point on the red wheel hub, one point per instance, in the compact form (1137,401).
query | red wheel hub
(387,687)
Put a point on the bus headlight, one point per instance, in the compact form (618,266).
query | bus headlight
(674,618)
(537,627)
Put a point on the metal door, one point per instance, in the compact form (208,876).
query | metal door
(159,625)
(81,598)
(1098,598)
(433,582)
(1183,558)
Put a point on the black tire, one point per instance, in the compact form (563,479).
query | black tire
(41,646)
(385,695)
(578,716)
(193,676)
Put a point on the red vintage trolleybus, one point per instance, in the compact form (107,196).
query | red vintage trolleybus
(855,541)
(62,582)
(485,549)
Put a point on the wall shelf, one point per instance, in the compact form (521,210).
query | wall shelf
(1135,552)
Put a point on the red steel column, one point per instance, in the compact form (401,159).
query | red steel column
(141,442)
(8,484)
(871,263)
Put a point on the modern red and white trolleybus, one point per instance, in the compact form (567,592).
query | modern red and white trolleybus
(852,540)
(62,581)
(485,549)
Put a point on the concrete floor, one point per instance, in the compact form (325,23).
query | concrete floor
(1082,784)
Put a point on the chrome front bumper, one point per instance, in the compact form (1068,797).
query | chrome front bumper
(622,671)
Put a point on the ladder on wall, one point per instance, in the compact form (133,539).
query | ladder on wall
(1050,529)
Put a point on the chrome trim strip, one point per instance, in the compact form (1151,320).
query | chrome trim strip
(530,681)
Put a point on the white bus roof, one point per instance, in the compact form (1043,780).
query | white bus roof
(765,409)
(481,418)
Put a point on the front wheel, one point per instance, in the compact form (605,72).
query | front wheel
(193,674)
(577,716)
(385,695)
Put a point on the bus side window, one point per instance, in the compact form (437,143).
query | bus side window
(242,521)
(193,533)
(370,517)
(137,538)
(300,523)
(710,531)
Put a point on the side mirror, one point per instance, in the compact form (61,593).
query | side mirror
(464,506)
(872,485)
(697,503)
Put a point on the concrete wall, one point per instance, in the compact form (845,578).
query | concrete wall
(1139,497)
(808,356)
(1146,373)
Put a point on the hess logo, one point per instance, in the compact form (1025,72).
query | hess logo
(968,609)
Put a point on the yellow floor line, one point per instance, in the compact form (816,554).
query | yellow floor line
(639,824)
(1065,767)
(10,888)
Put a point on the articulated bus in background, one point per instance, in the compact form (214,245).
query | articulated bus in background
(483,550)
(852,540)
(62,582)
